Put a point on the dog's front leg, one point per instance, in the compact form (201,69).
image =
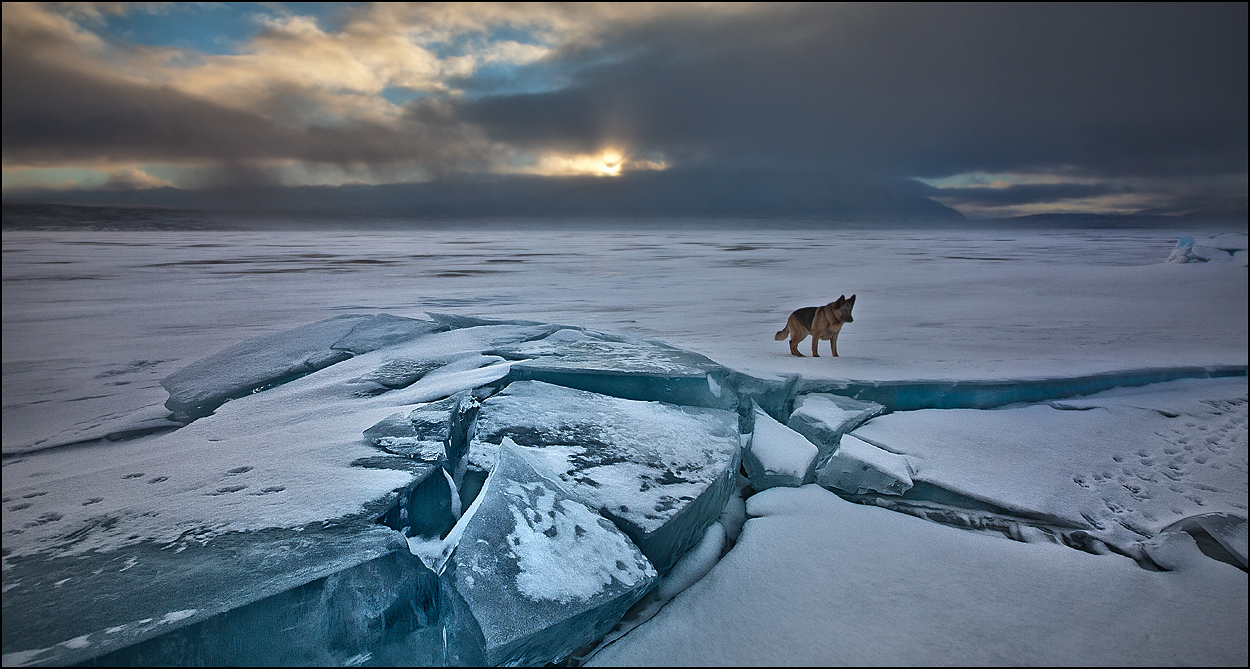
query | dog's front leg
(833,344)
(815,343)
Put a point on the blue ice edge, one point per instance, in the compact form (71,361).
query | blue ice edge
(914,395)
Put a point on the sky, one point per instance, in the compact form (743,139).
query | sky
(984,110)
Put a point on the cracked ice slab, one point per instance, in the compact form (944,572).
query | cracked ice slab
(541,573)
(199,388)
(824,418)
(1125,463)
(270,492)
(858,468)
(778,456)
(633,368)
(662,471)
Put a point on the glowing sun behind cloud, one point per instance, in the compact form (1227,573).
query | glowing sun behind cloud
(609,162)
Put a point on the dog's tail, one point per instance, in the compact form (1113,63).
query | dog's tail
(782,335)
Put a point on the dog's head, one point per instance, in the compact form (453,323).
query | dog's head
(843,306)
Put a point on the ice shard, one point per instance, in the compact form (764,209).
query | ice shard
(199,388)
(662,472)
(635,369)
(539,572)
(859,468)
(778,455)
(823,418)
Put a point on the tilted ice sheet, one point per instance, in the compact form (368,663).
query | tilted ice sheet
(815,580)
(204,385)
(1124,463)
(663,471)
(541,572)
(778,455)
(858,468)
(437,429)
(823,418)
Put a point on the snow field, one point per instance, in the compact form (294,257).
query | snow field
(93,321)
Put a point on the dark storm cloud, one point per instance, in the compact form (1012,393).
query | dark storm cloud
(54,114)
(919,90)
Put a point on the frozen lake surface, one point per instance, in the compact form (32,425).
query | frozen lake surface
(93,320)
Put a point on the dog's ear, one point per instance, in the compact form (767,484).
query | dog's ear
(852,300)
(839,302)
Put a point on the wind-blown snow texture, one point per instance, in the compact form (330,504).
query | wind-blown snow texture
(128,536)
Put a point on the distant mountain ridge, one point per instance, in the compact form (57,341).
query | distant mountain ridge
(686,193)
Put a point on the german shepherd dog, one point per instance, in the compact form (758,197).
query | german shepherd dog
(821,322)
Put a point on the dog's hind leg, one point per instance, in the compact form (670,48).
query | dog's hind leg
(795,338)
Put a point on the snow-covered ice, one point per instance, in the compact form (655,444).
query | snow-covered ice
(118,519)
(540,572)
(778,455)
(1121,465)
(246,489)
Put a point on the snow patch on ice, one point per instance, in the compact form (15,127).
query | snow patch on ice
(558,545)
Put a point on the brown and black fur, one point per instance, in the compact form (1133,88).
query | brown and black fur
(820,322)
